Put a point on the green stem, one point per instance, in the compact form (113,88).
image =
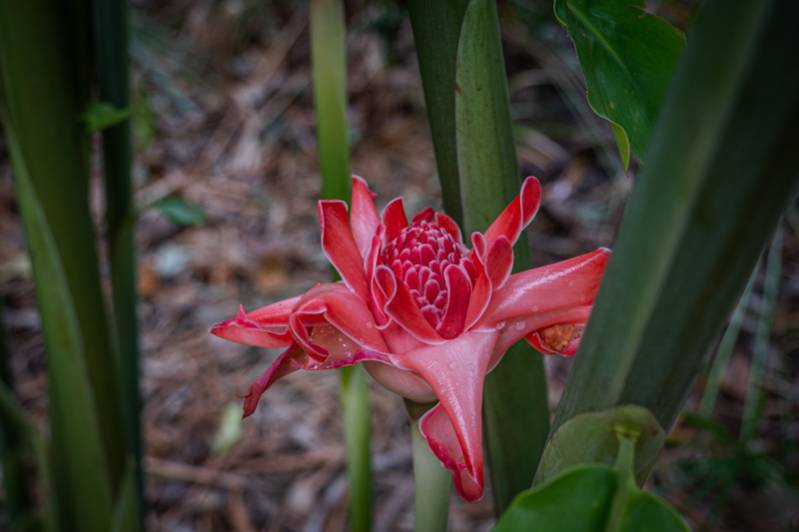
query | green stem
(724,352)
(515,407)
(354,394)
(761,344)
(433,483)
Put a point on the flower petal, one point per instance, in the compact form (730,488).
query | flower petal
(456,371)
(437,430)
(459,291)
(340,247)
(402,308)
(265,327)
(566,284)
(425,215)
(517,214)
(394,219)
(363,215)
(450,226)
(294,359)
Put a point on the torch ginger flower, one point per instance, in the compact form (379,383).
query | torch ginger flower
(428,317)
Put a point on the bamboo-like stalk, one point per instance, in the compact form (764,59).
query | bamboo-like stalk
(515,407)
(113,78)
(42,66)
(691,235)
(329,64)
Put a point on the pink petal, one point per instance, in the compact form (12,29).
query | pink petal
(401,381)
(340,247)
(333,304)
(456,371)
(266,327)
(562,285)
(294,359)
(402,308)
(532,326)
(450,226)
(499,262)
(394,219)
(517,214)
(440,435)
(363,215)
(459,291)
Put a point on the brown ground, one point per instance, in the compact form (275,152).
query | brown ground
(225,119)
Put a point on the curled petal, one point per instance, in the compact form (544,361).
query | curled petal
(561,339)
(450,226)
(562,285)
(440,435)
(294,359)
(517,214)
(401,307)
(363,215)
(459,291)
(456,371)
(340,247)
(265,327)
(333,304)
(394,219)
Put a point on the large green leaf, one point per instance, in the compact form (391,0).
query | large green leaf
(593,438)
(515,406)
(628,57)
(329,63)
(593,498)
(720,168)
(436,31)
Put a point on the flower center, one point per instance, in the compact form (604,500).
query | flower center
(418,257)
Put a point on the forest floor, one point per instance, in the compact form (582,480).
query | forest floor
(227,179)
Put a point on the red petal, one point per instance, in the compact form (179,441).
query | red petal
(567,284)
(363,215)
(437,429)
(517,214)
(425,215)
(459,291)
(266,327)
(339,246)
(456,371)
(293,359)
(402,308)
(499,262)
(481,294)
(394,219)
(449,225)
(335,305)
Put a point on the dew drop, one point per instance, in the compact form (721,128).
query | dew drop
(500,325)
(519,325)
(451,365)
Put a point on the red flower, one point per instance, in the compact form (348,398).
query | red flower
(428,317)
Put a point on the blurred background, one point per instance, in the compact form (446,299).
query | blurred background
(227,177)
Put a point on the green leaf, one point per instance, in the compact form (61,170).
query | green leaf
(515,408)
(708,199)
(436,31)
(596,498)
(628,57)
(181,211)
(103,115)
(593,438)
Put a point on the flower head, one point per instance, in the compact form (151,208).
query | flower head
(427,316)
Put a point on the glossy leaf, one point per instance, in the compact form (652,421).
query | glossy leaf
(628,57)
(593,438)
(515,407)
(720,168)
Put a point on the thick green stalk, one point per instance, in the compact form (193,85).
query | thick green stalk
(433,483)
(436,30)
(515,407)
(708,199)
(329,62)
(44,97)
(112,69)
(760,347)
(724,352)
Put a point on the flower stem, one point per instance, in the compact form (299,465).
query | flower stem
(355,405)
(432,482)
